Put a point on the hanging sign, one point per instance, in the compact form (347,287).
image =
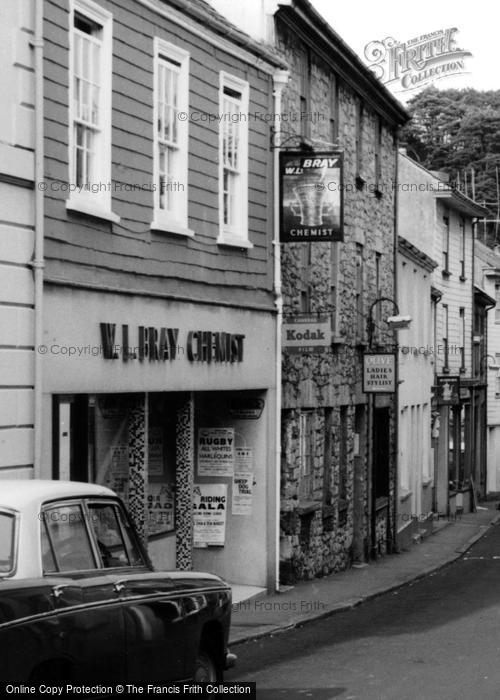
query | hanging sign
(379,373)
(311,196)
(209,515)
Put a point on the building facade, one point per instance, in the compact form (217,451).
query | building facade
(416,378)
(442,218)
(17,239)
(487,278)
(158,300)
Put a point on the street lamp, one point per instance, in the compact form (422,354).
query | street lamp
(396,322)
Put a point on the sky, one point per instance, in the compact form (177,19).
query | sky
(478,25)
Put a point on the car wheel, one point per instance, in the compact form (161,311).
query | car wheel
(205,670)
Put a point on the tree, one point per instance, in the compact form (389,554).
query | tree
(457,131)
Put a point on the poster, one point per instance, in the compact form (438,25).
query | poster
(155,457)
(242,481)
(209,515)
(311,196)
(243,459)
(215,451)
(242,493)
(160,508)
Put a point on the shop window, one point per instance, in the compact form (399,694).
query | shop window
(91,442)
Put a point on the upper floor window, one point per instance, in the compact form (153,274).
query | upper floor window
(359,142)
(446,245)
(462,248)
(90,109)
(171,97)
(233,152)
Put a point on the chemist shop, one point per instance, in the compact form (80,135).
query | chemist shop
(170,405)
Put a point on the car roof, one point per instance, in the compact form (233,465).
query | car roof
(20,493)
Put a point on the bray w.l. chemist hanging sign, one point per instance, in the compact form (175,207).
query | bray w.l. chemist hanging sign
(311,200)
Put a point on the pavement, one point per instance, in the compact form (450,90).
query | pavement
(269,614)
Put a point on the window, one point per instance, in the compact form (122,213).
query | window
(462,249)
(359,143)
(334,108)
(446,245)
(116,543)
(305,278)
(343,454)
(306,452)
(7,543)
(461,314)
(360,318)
(334,288)
(304,92)
(378,307)
(497,307)
(233,162)
(171,96)
(445,339)
(65,540)
(378,155)
(90,110)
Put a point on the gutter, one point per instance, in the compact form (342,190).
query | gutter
(280,79)
(38,263)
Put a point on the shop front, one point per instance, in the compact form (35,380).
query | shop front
(172,406)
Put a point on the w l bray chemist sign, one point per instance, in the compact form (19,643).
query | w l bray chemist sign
(162,344)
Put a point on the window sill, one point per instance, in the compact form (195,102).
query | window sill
(81,207)
(426,483)
(462,278)
(234,241)
(404,495)
(305,507)
(446,273)
(165,227)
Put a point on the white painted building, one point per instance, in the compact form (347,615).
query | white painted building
(17,219)
(439,221)
(487,277)
(416,375)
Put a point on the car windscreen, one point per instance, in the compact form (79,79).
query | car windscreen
(7,548)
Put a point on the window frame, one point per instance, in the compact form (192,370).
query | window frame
(445,337)
(97,204)
(463,248)
(176,220)
(237,233)
(446,245)
(461,319)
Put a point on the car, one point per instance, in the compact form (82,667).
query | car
(81,602)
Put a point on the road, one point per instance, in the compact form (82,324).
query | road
(438,638)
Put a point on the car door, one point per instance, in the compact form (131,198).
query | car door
(88,617)
(154,628)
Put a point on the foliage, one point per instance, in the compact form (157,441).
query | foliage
(457,131)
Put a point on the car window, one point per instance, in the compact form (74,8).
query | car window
(6,543)
(66,545)
(115,544)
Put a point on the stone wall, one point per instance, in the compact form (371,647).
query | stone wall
(317,532)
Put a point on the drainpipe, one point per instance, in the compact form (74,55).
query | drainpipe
(280,79)
(38,260)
